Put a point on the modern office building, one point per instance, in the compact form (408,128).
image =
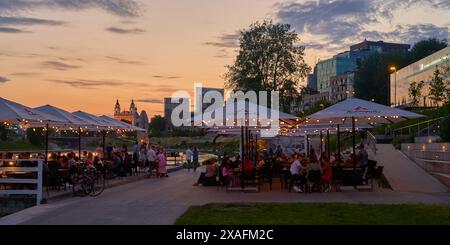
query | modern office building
(379,46)
(206,90)
(308,100)
(422,70)
(337,65)
(168,108)
(342,86)
(311,81)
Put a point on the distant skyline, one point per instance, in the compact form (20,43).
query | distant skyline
(85,54)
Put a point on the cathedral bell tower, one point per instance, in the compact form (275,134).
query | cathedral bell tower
(117,109)
(133,108)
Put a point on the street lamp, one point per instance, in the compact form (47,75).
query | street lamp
(394,69)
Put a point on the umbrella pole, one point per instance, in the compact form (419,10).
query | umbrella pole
(104,142)
(307,145)
(328,143)
(256,147)
(354,146)
(339,143)
(242,158)
(46,143)
(321,142)
(79,144)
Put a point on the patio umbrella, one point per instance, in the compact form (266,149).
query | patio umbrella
(243,120)
(360,112)
(15,113)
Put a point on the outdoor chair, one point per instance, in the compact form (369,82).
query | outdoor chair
(314,181)
(263,175)
(300,182)
(221,180)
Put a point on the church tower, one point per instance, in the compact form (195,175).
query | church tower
(117,109)
(133,108)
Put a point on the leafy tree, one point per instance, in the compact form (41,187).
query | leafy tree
(3,132)
(372,80)
(426,47)
(36,136)
(156,126)
(437,88)
(269,59)
(318,106)
(446,75)
(289,94)
(415,92)
(445,125)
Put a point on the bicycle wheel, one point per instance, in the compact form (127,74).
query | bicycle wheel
(97,185)
(78,187)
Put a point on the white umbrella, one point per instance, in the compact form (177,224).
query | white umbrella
(16,113)
(364,112)
(91,119)
(68,118)
(360,113)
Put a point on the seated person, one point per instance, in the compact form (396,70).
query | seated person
(297,173)
(313,168)
(327,172)
(349,163)
(261,163)
(208,178)
(248,167)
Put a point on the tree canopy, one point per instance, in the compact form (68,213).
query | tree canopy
(269,59)
(156,126)
(372,80)
(426,47)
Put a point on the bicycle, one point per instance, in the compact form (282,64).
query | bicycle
(88,181)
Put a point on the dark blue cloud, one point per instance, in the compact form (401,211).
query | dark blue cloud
(124,8)
(340,23)
(60,66)
(24,21)
(119,30)
(3,79)
(11,30)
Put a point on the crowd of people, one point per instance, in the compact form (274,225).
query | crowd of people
(114,162)
(313,170)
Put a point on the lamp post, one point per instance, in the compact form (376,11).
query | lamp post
(394,69)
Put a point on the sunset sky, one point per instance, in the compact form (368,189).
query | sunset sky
(85,54)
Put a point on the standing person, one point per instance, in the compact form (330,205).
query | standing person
(143,155)
(151,157)
(363,161)
(189,155)
(161,160)
(195,158)
(136,147)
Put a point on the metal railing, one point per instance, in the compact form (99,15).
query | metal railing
(12,181)
(372,142)
(410,128)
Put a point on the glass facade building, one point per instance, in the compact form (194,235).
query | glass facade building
(337,65)
(422,70)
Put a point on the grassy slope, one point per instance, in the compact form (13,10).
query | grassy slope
(315,214)
(18,145)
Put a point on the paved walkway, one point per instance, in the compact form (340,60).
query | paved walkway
(162,201)
(404,174)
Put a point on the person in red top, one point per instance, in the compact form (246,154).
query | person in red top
(327,174)
(248,167)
